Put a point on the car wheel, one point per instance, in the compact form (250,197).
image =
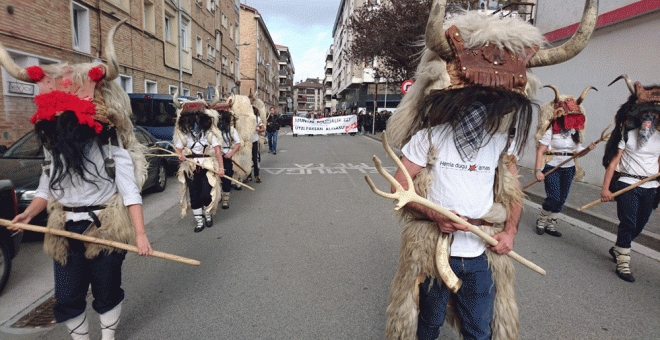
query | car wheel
(5,265)
(161,178)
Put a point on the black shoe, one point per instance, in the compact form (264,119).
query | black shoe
(274,152)
(613,254)
(625,276)
(238,187)
(199,228)
(258,179)
(553,232)
(249,179)
(208,223)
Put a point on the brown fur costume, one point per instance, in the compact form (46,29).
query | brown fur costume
(245,124)
(113,108)
(420,235)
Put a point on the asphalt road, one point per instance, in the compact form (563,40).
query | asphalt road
(311,255)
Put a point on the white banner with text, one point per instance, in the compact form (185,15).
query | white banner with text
(325,126)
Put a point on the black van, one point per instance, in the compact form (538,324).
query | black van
(156,113)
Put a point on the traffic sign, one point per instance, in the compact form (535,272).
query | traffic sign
(406,84)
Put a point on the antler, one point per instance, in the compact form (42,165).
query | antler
(404,197)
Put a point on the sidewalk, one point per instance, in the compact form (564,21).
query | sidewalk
(602,215)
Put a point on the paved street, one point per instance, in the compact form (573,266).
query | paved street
(311,255)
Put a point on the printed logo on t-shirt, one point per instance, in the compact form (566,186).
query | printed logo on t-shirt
(464,167)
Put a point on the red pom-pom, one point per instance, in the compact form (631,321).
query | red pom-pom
(96,73)
(35,73)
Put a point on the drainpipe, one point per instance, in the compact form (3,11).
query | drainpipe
(180,41)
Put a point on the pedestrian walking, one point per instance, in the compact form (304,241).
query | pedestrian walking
(460,134)
(196,139)
(559,136)
(255,147)
(632,154)
(91,178)
(272,128)
(231,142)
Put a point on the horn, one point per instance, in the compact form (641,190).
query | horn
(435,32)
(216,99)
(112,70)
(175,98)
(584,94)
(573,46)
(11,67)
(556,91)
(628,81)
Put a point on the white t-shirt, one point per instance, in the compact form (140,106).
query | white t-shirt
(642,161)
(197,147)
(235,139)
(255,137)
(466,188)
(558,142)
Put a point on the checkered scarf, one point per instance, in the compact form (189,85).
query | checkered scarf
(646,130)
(469,131)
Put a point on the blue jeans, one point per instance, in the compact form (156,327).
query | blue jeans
(272,140)
(557,185)
(474,300)
(633,209)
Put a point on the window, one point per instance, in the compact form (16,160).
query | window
(211,5)
(149,18)
(199,47)
(210,50)
(237,37)
(185,34)
(224,20)
(231,66)
(231,31)
(210,92)
(224,62)
(150,86)
(125,82)
(80,27)
(13,87)
(186,92)
(174,89)
(200,95)
(218,40)
(168,28)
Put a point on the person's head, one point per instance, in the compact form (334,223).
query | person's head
(272,110)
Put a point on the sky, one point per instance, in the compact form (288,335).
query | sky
(305,26)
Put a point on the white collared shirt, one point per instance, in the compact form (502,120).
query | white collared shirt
(559,142)
(76,192)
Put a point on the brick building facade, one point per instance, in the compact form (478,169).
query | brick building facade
(147,45)
(259,59)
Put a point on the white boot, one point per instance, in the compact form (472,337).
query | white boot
(225,200)
(199,218)
(551,228)
(208,218)
(622,257)
(109,321)
(78,327)
(542,221)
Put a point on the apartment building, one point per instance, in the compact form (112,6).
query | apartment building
(328,101)
(285,73)
(259,58)
(161,49)
(308,95)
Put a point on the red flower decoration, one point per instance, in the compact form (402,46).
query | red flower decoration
(35,73)
(96,73)
(53,103)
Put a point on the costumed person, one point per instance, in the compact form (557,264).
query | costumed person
(244,121)
(93,170)
(559,136)
(632,154)
(231,143)
(460,128)
(255,146)
(272,128)
(196,137)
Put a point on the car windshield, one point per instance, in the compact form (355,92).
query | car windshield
(27,147)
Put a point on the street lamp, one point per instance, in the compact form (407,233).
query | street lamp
(373,122)
(247,43)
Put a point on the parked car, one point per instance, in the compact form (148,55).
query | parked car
(286,119)
(156,113)
(10,241)
(21,163)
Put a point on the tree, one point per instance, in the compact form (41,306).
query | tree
(392,33)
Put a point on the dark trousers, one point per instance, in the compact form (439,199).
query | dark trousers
(557,185)
(474,301)
(272,140)
(199,188)
(633,209)
(229,171)
(72,281)
(255,157)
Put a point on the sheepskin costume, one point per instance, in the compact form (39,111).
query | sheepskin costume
(561,106)
(63,86)
(440,70)
(186,168)
(263,114)
(245,122)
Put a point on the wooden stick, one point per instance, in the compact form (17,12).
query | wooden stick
(624,190)
(90,239)
(207,168)
(403,197)
(603,137)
